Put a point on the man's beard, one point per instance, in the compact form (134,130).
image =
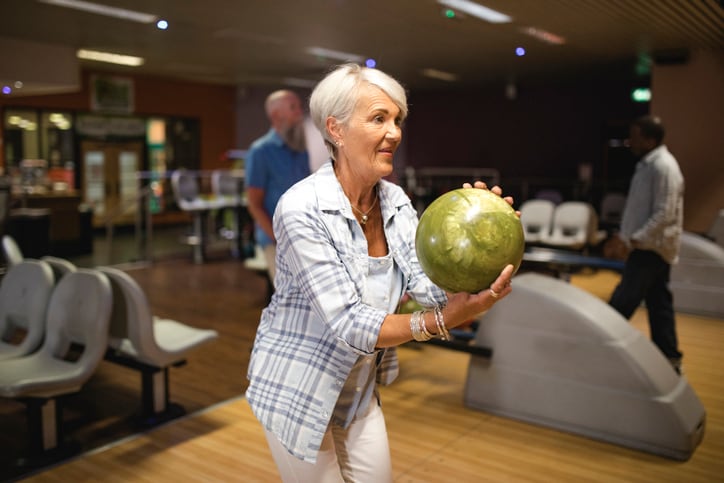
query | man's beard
(294,137)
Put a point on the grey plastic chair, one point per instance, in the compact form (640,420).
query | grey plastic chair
(148,343)
(225,187)
(60,266)
(612,206)
(24,294)
(11,251)
(575,227)
(76,336)
(187,193)
(536,216)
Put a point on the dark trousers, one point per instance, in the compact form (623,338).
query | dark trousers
(646,277)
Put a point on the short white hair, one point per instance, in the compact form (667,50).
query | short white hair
(337,94)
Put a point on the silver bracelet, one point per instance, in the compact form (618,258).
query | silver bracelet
(440,321)
(417,333)
(423,327)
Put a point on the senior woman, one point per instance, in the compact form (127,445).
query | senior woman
(345,257)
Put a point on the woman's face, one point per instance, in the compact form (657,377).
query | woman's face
(373,133)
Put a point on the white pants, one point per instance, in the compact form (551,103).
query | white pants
(360,454)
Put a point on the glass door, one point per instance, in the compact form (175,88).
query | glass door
(110,183)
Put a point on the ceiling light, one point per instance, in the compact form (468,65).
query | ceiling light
(440,75)
(110,57)
(543,35)
(477,10)
(104,10)
(335,54)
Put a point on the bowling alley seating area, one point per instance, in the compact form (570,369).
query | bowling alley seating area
(58,322)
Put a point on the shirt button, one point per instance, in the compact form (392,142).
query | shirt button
(325,414)
(339,382)
(358,389)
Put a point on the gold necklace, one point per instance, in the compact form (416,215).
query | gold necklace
(365,216)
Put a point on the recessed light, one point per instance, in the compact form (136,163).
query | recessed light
(110,57)
(104,10)
(440,75)
(543,35)
(476,10)
(335,54)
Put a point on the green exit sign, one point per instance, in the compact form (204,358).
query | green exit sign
(641,94)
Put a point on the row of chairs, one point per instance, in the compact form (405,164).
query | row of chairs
(570,225)
(610,209)
(57,322)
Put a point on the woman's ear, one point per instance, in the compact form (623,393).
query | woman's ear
(333,128)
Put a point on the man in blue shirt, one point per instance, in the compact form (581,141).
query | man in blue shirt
(274,163)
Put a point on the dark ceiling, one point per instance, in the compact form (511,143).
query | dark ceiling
(265,42)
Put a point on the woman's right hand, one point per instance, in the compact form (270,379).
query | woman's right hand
(462,307)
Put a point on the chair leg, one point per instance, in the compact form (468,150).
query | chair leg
(44,424)
(235,229)
(154,391)
(45,429)
(200,237)
(156,404)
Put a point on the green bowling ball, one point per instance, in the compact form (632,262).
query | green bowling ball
(466,237)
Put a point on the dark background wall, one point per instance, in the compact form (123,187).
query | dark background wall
(546,131)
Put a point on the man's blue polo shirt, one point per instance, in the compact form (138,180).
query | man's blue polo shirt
(273,167)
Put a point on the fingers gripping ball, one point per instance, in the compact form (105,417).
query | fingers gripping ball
(466,237)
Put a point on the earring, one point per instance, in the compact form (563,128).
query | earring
(338,143)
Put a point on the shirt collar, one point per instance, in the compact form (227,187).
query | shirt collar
(275,138)
(653,154)
(332,198)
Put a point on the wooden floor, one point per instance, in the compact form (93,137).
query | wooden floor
(434,437)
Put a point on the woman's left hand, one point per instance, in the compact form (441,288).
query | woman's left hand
(495,189)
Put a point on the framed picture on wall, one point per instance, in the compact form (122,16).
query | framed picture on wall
(112,94)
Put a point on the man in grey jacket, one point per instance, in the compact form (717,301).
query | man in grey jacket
(651,226)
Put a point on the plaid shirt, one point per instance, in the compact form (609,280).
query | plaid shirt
(316,325)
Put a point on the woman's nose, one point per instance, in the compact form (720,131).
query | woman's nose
(394,131)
